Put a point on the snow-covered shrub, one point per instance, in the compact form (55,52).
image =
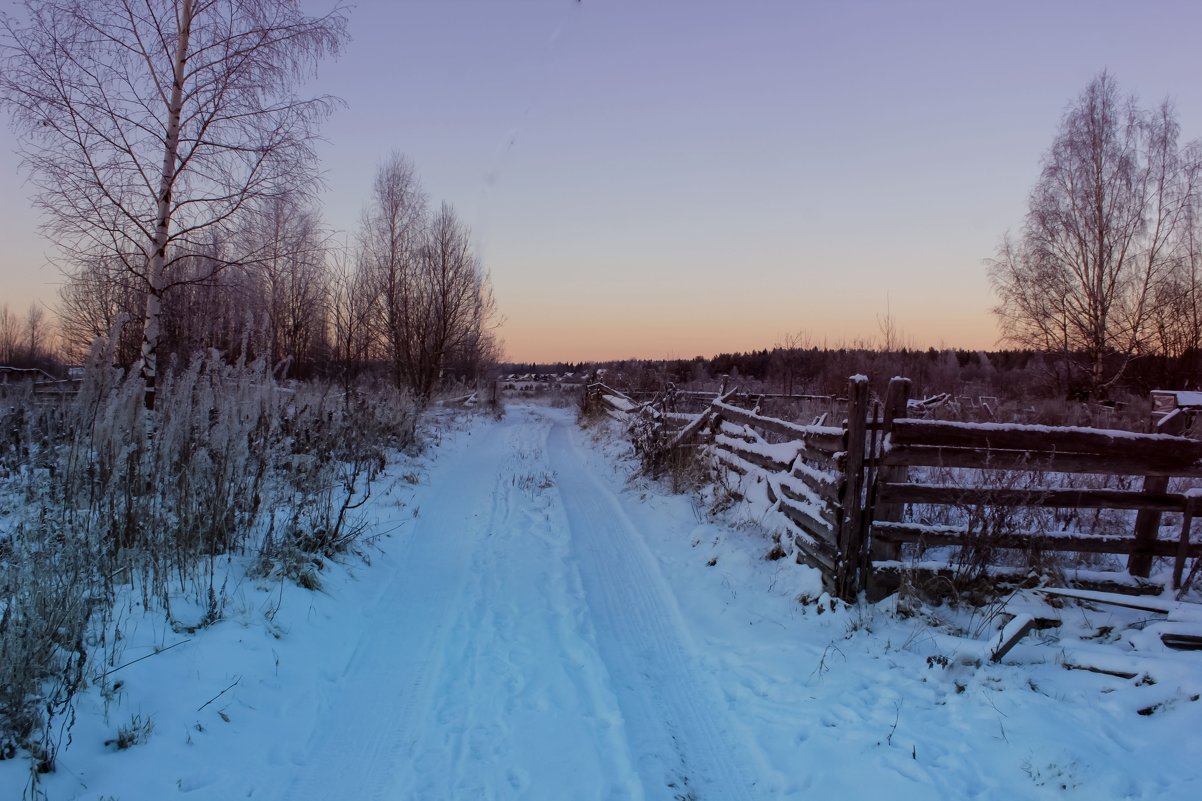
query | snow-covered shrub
(158,491)
(650,438)
(49,588)
(336,443)
(100,492)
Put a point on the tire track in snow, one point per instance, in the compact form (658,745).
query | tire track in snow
(674,722)
(376,706)
(523,710)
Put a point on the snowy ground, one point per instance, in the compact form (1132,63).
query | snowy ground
(536,625)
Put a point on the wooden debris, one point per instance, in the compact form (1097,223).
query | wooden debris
(1009,636)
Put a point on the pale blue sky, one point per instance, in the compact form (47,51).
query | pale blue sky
(669,178)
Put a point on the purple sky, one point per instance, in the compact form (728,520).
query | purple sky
(667,178)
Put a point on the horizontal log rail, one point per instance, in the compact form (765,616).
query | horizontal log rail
(824,438)
(1024,540)
(740,448)
(1035,460)
(1066,439)
(826,514)
(951,495)
(822,484)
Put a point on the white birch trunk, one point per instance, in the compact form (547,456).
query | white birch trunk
(156,268)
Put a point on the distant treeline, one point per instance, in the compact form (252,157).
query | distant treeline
(819,371)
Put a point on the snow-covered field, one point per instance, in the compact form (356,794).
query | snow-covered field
(536,624)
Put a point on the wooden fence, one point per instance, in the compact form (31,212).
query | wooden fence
(850,491)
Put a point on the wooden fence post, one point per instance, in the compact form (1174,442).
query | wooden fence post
(851,529)
(1147,522)
(1187,519)
(896,400)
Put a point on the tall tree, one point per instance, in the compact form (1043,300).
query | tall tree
(95,296)
(351,306)
(1102,234)
(390,242)
(148,126)
(456,305)
(10,337)
(285,275)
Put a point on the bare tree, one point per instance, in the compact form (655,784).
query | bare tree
(1177,305)
(351,307)
(24,342)
(95,296)
(1103,232)
(892,337)
(459,307)
(432,309)
(10,337)
(36,339)
(390,240)
(285,278)
(150,125)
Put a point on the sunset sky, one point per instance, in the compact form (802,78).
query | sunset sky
(668,178)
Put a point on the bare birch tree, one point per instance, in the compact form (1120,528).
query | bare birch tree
(148,126)
(1103,233)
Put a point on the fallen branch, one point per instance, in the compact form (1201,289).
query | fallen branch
(140,658)
(218,695)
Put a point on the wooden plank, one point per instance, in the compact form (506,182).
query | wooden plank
(729,460)
(1183,543)
(891,573)
(744,433)
(826,490)
(1115,444)
(690,431)
(821,461)
(1070,663)
(1182,640)
(1162,606)
(749,455)
(1047,461)
(1009,636)
(827,515)
(1064,498)
(817,548)
(807,522)
(1022,540)
(897,400)
(815,553)
(1147,522)
(822,438)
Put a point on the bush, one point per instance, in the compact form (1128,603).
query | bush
(99,492)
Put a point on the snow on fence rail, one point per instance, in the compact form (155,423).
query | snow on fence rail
(845,490)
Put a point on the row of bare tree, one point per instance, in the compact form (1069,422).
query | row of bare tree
(407,292)
(25,341)
(175,170)
(1108,264)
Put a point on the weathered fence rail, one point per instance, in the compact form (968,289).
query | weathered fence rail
(850,497)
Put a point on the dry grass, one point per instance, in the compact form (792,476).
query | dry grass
(98,493)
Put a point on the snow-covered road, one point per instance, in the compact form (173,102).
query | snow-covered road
(525,646)
(537,623)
